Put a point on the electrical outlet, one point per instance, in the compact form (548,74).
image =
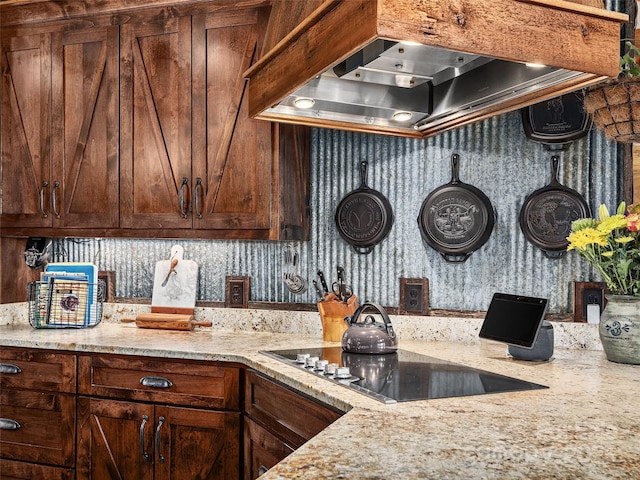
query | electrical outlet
(585,294)
(414,296)
(237,292)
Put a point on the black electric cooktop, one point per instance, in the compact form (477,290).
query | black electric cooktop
(401,377)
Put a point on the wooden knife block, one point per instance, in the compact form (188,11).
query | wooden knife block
(332,313)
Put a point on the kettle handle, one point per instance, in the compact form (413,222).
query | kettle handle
(381,311)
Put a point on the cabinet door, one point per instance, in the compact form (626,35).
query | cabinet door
(193,443)
(155,147)
(25,65)
(115,440)
(262,450)
(84,189)
(232,153)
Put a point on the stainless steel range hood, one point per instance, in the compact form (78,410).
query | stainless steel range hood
(419,67)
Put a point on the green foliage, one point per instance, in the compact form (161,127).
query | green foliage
(628,65)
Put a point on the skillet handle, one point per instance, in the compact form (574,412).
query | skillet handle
(554,170)
(455,168)
(363,173)
(362,250)
(554,255)
(455,258)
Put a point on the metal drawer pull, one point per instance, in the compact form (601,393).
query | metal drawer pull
(160,423)
(196,197)
(9,368)
(145,455)
(183,187)
(156,382)
(42,210)
(8,424)
(54,198)
(262,470)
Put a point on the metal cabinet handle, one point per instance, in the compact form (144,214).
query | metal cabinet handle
(146,457)
(9,368)
(158,438)
(183,207)
(262,470)
(196,200)
(156,382)
(42,210)
(9,424)
(54,198)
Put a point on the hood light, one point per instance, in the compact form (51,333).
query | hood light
(535,65)
(304,102)
(402,116)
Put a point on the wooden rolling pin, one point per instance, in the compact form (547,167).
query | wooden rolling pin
(167,321)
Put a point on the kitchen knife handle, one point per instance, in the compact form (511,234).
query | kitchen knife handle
(156,382)
(323,281)
(145,456)
(183,188)
(54,198)
(9,368)
(158,438)
(42,210)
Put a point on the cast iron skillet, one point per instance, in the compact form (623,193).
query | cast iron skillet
(456,219)
(557,122)
(364,217)
(547,213)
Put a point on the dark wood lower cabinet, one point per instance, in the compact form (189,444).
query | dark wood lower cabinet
(262,450)
(277,421)
(103,417)
(122,439)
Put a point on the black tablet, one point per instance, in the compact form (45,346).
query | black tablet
(514,319)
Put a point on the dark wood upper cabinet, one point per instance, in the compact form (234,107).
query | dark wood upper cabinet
(85,128)
(25,129)
(60,129)
(136,125)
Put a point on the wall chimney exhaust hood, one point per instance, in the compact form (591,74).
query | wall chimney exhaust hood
(419,67)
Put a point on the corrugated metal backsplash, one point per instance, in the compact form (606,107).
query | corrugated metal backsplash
(495,156)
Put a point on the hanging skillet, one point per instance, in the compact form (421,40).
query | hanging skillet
(547,213)
(364,217)
(557,122)
(456,219)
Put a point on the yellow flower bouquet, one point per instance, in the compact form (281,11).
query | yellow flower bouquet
(612,245)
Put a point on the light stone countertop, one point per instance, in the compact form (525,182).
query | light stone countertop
(584,426)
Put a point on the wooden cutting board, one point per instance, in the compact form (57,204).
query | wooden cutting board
(174,284)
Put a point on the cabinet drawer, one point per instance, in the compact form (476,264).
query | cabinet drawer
(38,370)
(38,426)
(292,416)
(159,380)
(12,470)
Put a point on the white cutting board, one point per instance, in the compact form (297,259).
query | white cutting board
(180,289)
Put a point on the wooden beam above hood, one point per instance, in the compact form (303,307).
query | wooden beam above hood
(558,33)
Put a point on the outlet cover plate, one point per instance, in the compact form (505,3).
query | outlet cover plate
(237,291)
(414,296)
